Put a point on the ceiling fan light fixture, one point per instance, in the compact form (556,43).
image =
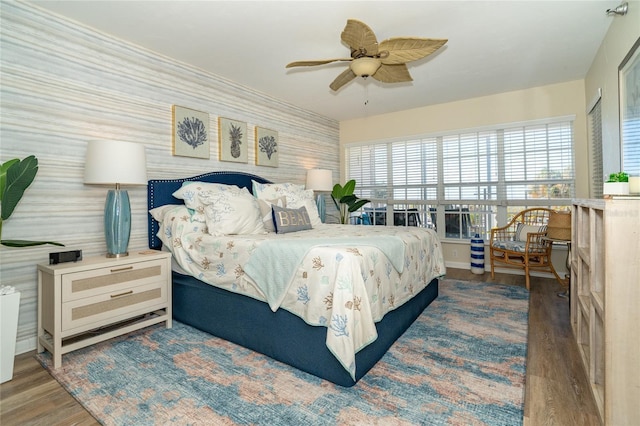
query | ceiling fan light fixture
(364,67)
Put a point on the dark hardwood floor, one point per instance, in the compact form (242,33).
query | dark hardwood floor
(557,391)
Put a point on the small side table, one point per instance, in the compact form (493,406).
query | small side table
(92,300)
(567,276)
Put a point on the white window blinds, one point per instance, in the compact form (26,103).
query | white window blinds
(519,164)
(595,137)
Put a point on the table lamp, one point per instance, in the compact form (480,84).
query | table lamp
(320,180)
(116,163)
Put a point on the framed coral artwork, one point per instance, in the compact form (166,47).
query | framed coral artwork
(266,147)
(232,140)
(190,132)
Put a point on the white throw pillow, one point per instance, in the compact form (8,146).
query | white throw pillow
(269,191)
(231,212)
(522,230)
(266,211)
(296,195)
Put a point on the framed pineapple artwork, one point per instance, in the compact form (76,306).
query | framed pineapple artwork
(232,140)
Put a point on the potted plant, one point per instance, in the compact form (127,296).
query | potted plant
(345,200)
(617,184)
(15,178)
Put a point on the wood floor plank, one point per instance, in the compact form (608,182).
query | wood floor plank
(556,393)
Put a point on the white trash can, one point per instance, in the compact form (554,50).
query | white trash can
(9,306)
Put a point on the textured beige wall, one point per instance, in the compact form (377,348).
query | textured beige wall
(64,84)
(603,74)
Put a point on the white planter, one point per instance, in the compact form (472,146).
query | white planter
(9,306)
(615,188)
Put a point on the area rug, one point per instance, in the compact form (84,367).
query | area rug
(461,363)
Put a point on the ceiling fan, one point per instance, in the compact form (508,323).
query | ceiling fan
(385,61)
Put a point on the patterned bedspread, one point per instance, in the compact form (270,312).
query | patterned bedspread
(344,287)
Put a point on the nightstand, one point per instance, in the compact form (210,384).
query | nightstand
(98,298)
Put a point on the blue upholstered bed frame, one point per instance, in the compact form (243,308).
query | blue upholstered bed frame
(250,323)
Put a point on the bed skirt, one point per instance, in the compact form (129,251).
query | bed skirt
(281,335)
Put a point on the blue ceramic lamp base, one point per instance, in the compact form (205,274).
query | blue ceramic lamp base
(117,222)
(322,207)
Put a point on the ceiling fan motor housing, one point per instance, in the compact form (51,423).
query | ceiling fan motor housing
(364,67)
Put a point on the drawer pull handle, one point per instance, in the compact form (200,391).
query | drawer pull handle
(122,269)
(113,296)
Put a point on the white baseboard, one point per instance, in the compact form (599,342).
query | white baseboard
(487,269)
(26,345)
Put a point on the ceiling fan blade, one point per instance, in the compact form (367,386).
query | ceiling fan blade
(392,73)
(318,62)
(360,38)
(406,49)
(346,76)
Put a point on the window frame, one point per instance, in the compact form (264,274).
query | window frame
(473,215)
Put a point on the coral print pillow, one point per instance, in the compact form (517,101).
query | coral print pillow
(192,193)
(231,212)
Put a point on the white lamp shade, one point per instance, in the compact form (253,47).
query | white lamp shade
(319,180)
(115,162)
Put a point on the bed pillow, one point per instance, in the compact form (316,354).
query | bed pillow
(269,191)
(232,212)
(296,196)
(266,212)
(190,193)
(290,220)
(159,213)
(522,230)
(172,218)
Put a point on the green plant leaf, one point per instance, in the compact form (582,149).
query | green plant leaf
(355,206)
(19,176)
(349,187)
(3,174)
(345,200)
(26,243)
(348,199)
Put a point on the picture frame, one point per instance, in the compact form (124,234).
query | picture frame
(232,140)
(267,147)
(629,97)
(190,136)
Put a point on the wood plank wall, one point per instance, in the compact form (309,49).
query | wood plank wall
(64,84)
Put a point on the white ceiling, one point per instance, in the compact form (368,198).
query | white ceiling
(493,47)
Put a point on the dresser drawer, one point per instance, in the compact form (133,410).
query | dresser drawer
(103,309)
(79,285)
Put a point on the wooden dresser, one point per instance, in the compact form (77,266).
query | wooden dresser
(605,303)
(95,299)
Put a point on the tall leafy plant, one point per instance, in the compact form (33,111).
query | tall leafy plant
(346,201)
(15,178)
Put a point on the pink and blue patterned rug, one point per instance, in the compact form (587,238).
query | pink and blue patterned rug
(461,363)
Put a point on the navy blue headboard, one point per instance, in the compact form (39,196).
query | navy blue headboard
(159,193)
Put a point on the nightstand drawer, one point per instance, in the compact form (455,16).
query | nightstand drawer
(79,285)
(84,314)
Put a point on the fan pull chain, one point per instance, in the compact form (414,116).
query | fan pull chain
(366,101)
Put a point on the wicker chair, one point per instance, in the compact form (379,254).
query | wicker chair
(521,243)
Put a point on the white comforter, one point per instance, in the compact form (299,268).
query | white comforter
(344,287)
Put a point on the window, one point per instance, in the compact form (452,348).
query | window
(465,182)
(595,136)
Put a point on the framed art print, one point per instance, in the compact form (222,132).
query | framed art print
(266,147)
(190,132)
(232,140)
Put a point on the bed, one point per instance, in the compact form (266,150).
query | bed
(285,327)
